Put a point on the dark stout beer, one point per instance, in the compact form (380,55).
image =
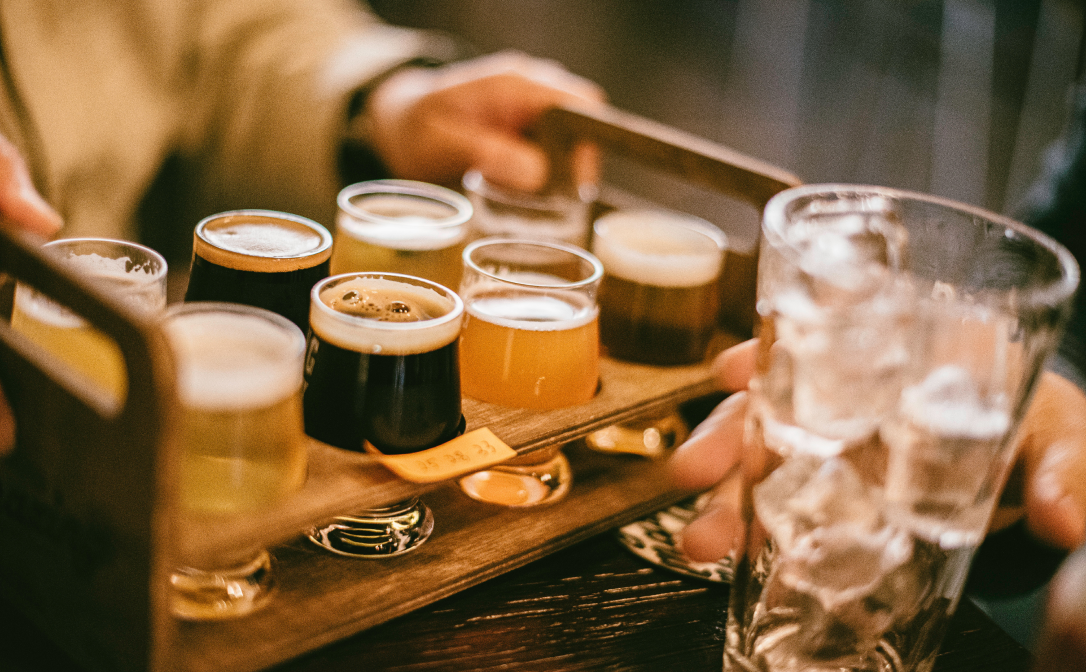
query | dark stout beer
(259,258)
(382,364)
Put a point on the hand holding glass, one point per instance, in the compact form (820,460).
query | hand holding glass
(901,336)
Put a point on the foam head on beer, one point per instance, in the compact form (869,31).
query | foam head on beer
(659,248)
(233,361)
(397,306)
(264,241)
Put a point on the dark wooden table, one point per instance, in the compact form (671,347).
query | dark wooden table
(592,606)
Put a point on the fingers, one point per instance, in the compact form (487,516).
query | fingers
(718,529)
(713,448)
(733,368)
(1062,646)
(1053,461)
(20,203)
(435,124)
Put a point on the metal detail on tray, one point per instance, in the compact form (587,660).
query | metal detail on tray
(655,538)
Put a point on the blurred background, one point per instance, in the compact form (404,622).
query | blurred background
(958,98)
(953,97)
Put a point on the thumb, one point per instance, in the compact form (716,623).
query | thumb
(20,203)
(1053,457)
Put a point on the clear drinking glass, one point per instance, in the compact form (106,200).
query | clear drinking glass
(901,336)
(530,340)
(382,373)
(239,379)
(503,212)
(132,273)
(658,305)
(401,226)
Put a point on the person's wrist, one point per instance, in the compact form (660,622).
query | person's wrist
(365,146)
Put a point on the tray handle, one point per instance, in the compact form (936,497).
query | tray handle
(697,160)
(84,494)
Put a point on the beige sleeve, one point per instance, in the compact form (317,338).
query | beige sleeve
(271,86)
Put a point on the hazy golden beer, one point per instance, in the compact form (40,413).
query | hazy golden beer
(240,380)
(259,258)
(530,340)
(240,436)
(132,273)
(660,295)
(530,351)
(401,226)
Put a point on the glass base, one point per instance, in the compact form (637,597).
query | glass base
(647,437)
(542,480)
(377,533)
(212,595)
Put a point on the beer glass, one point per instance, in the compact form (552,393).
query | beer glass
(401,226)
(901,336)
(259,258)
(502,212)
(658,305)
(132,273)
(382,373)
(530,340)
(242,446)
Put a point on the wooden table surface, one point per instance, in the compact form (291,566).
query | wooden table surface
(592,606)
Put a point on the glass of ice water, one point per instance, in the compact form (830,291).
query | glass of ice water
(900,338)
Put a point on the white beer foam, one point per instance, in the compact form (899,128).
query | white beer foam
(373,335)
(231,361)
(268,243)
(555,311)
(137,285)
(658,248)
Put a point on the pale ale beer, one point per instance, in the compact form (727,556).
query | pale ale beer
(240,436)
(401,226)
(383,363)
(530,351)
(259,258)
(134,274)
(660,294)
(531,340)
(531,336)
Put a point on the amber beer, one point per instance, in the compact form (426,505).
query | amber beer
(660,295)
(530,351)
(382,363)
(259,258)
(401,226)
(134,274)
(531,336)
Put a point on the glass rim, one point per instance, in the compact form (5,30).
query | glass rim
(582,254)
(322,251)
(474,182)
(454,313)
(1053,292)
(188,307)
(156,274)
(458,202)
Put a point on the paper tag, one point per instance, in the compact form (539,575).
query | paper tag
(468,452)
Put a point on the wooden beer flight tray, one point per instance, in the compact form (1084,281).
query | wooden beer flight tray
(87,531)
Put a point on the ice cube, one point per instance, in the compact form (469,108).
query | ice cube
(806,493)
(944,446)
